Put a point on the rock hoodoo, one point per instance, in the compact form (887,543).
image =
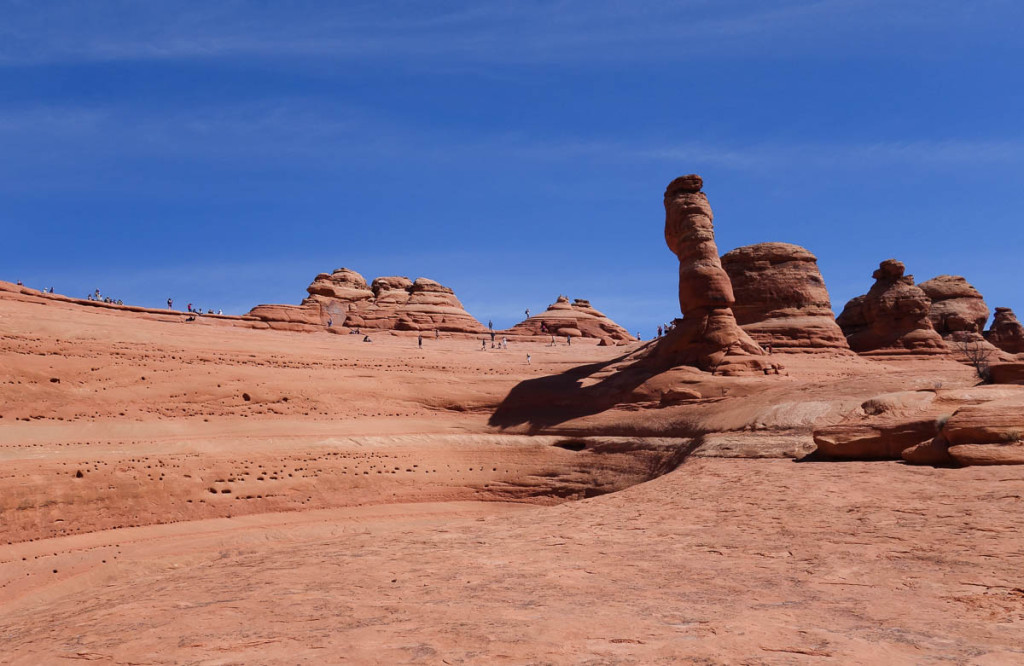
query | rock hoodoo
(1006,333)
(390,303)
(578,319)
(781,298)
(958,312)
(892,318)
(707,336)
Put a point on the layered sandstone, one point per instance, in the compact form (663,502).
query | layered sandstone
(707,336)
(1006,333)
(958,311)
(577,319)
(781,299)
(892,318)
(344,301)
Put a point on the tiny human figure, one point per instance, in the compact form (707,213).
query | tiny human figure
(528,360)
(170,303)
(638,336)
(21,285)
(543,327)
(51,290)
(659,331)
(366,338)
(504,342)
(219,311)
(419,340)
(527,313)
(492,338)
(330,322)
(568,339)
(190,307)
(483,344)
(552,340)
(437,334)
(490,324)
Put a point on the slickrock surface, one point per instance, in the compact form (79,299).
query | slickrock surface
(576,319)
(958,311)
(344,300)
(1006,333)
(781,298)
(892,318)
(707,336)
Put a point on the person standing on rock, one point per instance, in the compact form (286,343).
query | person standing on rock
(659,331)
(419,340)
(437,334)
(504,342)
(528,360)
(170,303)
(568,339)
(490,325)
(527,313)
(492,339)
(330,322)
(483,344)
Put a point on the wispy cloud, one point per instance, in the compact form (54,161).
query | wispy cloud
(475,32)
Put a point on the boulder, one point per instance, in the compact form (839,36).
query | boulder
(707,336)
(957,307)
(991,433)
(883,439)
(1006,333)
(577,319)
(892,318)
(781,299)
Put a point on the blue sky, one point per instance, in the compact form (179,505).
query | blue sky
(224,153)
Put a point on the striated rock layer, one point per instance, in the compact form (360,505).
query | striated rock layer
(577,319)
(707,336)
(344,300)
(958,311)
(892,318)
(781,299)
(1006,333)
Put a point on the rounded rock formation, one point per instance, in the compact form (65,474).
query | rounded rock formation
(781,298)
(578,319)
(958,311)
(1006,332)
(892,318)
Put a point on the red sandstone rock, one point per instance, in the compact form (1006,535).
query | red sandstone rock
(707,336)
(1007,373)
(958,310)
(892,318)
(781,298)
(578,319)
(877,440)
(391,303)
(1006,333)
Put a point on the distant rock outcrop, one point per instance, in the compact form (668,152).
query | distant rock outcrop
(344,300)
(892,318)
(958,312)
(1006,333)
(707,336)
(781,299)
(578,319)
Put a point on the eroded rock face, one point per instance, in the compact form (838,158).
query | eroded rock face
(892,318)
(577,319)
(391,303)
(958,311)
(707,336)
(781,298)
(1006,333)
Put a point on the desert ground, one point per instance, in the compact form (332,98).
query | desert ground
(204,492)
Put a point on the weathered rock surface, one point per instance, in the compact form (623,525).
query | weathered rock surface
(892,318)
(1006,333)
(578,319)
(882,439)
(1006,373)
(781,298)
(391,303)
(958,312)
(707,336)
